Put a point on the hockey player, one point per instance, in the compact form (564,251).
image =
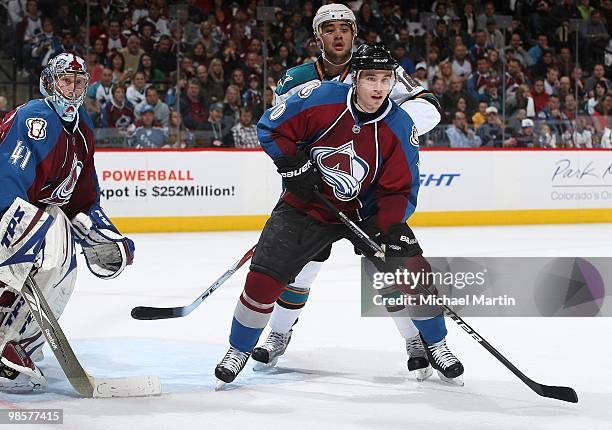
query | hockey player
(334,30)
(366,150)
(47,157)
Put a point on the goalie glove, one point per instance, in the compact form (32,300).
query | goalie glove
(107,251)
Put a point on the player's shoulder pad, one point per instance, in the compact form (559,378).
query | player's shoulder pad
(38,121)
(295,77)
(323,93)
(402,125)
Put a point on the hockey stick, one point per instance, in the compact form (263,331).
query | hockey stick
(85,384)
(566,394)
(151,313)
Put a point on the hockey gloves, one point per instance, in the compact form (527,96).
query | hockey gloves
(107,252)
(399,243)
(300,175)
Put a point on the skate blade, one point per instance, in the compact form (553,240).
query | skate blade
(220,385)
(458,381)
(422,374)
(265,366)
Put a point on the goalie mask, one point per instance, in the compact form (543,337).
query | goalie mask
(64,84)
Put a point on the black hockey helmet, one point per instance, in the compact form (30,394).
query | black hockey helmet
(375,57)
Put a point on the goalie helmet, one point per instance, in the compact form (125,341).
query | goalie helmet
(333,12)
(64,84)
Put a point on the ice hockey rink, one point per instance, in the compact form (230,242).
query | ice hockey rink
(341,371)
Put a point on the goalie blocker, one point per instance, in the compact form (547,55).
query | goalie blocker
(41,243)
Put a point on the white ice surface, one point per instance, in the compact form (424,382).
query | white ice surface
(341,371)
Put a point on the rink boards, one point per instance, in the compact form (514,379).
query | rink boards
(200,190)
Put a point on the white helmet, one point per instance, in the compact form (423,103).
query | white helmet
(333,12)
(65,104)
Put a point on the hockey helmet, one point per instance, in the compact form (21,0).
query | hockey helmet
(375,57)
(333,12)
(64,84)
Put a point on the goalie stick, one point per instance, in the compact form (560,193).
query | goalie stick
(85,384)
(152,313)
(566,394)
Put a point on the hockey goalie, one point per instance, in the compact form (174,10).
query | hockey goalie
(48,174)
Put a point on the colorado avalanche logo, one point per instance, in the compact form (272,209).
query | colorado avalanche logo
(37,128)
(61,195)
(342,169)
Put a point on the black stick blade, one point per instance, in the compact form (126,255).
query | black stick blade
(567,394)
(149,313)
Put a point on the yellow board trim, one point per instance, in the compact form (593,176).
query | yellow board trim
(420,219)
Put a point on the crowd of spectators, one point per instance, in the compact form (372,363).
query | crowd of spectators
(192,76)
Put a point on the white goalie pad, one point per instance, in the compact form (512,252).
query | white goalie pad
(22,231)
(53,269)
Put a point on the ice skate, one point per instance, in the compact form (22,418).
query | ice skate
(18,373)
(442,359)
(230,366)
(417,359)
(267,354)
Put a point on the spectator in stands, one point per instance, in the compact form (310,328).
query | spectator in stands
(117,65)
(119,113)
(598,74)
(602,116)
(495,63)
(136,91)
(94,68)
(139,11)
(479,116)
(177,128)
(216,131)
(461,66)
(600,91)
(113,38)
(4,109)
(460,135)
(237,79)
(245,132)
(540,98)
(565,87)
(199,55)
(457,30)
(454,92)
(99,94)
(207,39)
(420,75)
(152,74)
(433,67)
(521,99)
(514,76)
(446,73)
(401,55)
(253,98)
(160,109)
(147,39)
(570,107)
(186,70)
(565,62)
(159,22)
(492,95)
(45,46)
(487,13)
(163,58)
(553,116)
(491,132)
(254,65)
(495,38)
(538,49)
(440,37)
(232,103)
(551,83)
(194,106)
(520,53)
(479,49)
(216,80)
(391,23)
(440,9)
(524,138)
(477,82)
(546,138)
(582,137)
(99,49)
(468,18)
(595,36)
(546,60)
(148,135)
(132,53)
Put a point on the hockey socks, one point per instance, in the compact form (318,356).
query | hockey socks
(432,329)
(253,309)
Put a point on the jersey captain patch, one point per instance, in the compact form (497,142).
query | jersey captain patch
(37,128)
(342,169)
